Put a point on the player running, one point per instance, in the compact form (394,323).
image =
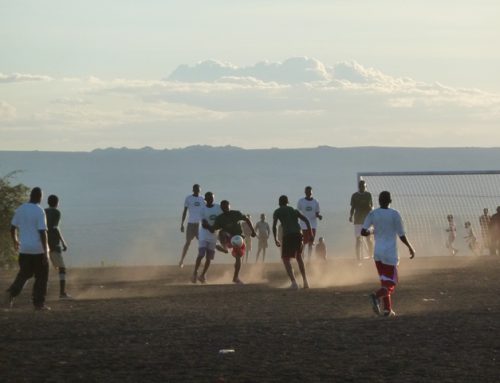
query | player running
(291,247)
(229,223)
(309,207)
(193,203)
(206,239)
(57,244)
(361,205)
(388,225)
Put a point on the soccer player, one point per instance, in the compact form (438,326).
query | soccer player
(452,234)
(29,235)
(388,225)
(361,205)
(193,203)
(495,232)
(484,223)
(309,207)
(263,233)
(229,223)
(292,246)
(56,240)
(247,235)
(206,239)
(470,238)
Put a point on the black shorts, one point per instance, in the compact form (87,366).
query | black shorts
(292,245)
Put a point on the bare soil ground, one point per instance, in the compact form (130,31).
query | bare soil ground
(149,324)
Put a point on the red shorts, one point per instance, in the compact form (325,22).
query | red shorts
(225,240)
(388,274)
(307,238)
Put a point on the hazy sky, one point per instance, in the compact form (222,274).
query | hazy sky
(259,74)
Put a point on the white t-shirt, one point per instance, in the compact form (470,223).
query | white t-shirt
(388,226)
(29,218)
(308,208)
(194,205)
(209,213)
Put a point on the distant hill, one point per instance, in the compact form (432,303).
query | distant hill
(123,206)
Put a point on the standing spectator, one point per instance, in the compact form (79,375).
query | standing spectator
(247,235)
(484,223)
(495,232)
(361,205)
(29,235)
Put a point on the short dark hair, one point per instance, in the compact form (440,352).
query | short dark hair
(53,200)
(384,198)
(36,194)
(283,200)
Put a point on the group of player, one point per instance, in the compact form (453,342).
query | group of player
(35,234)
(490,234)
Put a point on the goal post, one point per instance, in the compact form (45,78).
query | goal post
(425,199)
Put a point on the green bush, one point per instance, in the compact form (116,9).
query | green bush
(11,197)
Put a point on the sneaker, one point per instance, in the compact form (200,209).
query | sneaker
(202,279)
(375,303)
(389,313)
(42,308)
(294,286)
(238,281)
(194,278)
(65,297)
(9,300)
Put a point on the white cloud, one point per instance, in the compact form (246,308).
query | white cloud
(7,111)
(22,77)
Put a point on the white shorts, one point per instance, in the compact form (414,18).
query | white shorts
(56,259)
(210,245)
(357,230)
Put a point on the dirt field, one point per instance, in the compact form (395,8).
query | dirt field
(152,325)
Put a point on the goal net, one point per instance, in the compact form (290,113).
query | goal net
(425,199)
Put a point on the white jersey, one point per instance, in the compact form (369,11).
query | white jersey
(209,214)
(29,218)
(388,226)
(194,205)
(308,208)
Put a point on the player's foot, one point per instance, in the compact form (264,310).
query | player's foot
(238,281)
(221,249)
(389,313)
(181,264)
(306,284)
(65,297)
(294,286)
(375,304)
(8,300)
(194,277)
(42,308)
(202,279)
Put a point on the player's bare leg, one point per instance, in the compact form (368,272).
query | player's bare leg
(302,269)
(237,268)
(184,252)
(289,271)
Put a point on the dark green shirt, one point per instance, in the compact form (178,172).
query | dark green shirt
(362,204)
(53,217)
(230,222)
(289,219)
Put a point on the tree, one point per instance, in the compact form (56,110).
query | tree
(11,196)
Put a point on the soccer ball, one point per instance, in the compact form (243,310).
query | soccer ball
(237,241)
